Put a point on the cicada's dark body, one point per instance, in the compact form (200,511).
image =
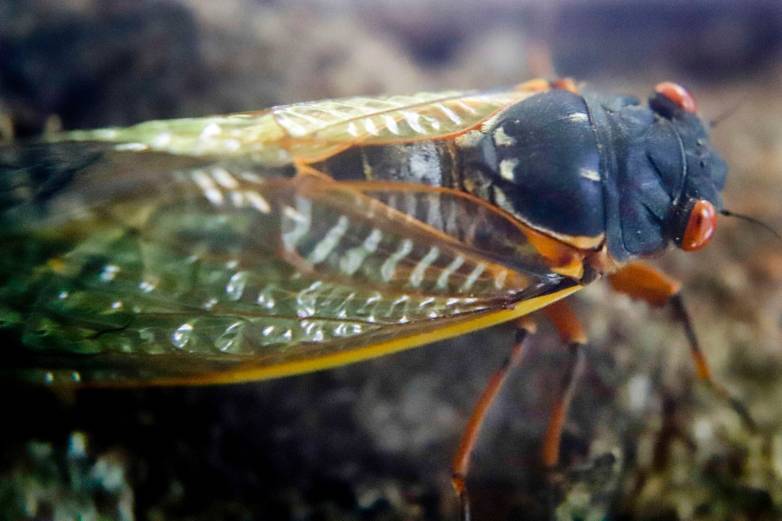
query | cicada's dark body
(257,245)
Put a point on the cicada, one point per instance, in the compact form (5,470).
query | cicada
(263,244)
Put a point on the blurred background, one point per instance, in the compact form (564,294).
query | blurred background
(374,441)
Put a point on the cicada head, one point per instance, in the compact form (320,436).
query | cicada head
(696,182)
(665,176)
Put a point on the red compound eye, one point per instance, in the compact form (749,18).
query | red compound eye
(700,226)
(678,95)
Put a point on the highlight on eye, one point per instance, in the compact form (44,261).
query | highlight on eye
(700,226)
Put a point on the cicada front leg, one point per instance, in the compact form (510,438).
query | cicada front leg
(641,281)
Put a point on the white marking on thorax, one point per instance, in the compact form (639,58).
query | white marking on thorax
(589,173)
(507,167)
(578,117)
(501,139)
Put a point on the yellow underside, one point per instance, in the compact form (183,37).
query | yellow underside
(245,374)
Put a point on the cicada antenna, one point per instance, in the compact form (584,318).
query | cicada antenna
(749,219)
(725,114)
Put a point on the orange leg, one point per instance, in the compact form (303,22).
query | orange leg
(572,333)
(461,461)
(643,282)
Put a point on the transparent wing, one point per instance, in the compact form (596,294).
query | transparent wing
(313,130)
(133,267)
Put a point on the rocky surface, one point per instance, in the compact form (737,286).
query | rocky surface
(373,441)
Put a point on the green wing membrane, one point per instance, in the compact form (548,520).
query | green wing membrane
(139,266)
